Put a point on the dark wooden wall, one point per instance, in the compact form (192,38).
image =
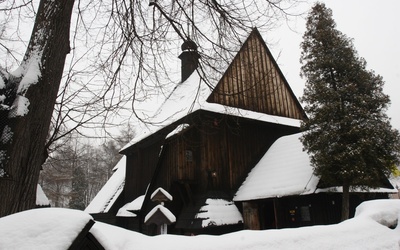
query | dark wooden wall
(254,82)
(216,153)
(141,163)
(298,211)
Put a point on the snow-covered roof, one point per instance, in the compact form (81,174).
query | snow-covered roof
(123,212)
(219,212)
(41,198)
(356,190)
(161,209)
(163,192)
(285,170)
(185,98)
(109,193)
(190,96)
(135,205)
(177,130)
(43,228)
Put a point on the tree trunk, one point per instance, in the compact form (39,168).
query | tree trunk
(346,201)
(48,47)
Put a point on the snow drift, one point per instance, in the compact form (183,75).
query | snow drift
(373,227)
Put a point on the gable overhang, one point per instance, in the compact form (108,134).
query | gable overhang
(217,109)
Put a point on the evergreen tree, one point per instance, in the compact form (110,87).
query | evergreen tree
(348,135)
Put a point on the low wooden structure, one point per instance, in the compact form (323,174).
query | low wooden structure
(85,240)
(207,141)
(284,192)
(210,148)
(159,215)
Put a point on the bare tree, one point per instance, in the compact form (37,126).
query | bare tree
(76,171)
(121,54)
(33,87)
(55,179)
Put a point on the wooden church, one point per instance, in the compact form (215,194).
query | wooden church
(206,144)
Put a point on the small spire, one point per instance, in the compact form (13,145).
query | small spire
(189,45)
(189,59)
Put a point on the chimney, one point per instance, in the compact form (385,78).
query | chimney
(189,59)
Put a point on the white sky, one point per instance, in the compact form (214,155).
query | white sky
(372,25)
(376,38)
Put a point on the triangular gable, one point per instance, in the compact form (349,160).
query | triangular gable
(253,81)
(261,102)
(188,97)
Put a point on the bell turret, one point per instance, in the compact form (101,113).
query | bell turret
(189,59)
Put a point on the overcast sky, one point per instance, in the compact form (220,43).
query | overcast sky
(374,27)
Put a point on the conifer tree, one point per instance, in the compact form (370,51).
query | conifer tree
(348,134)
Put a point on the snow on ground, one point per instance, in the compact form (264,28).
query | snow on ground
(42,228)
(385,212)
(217,212)
(56,228)
(365,231)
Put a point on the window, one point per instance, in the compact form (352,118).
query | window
(189,155)
(305,213)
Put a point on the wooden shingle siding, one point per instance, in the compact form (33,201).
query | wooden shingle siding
(212,156)
(254,82)
(141,165)
(226,146)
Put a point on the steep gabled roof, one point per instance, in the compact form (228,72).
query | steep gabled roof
(266,96)
(254,81)
(184,99)
(285,170)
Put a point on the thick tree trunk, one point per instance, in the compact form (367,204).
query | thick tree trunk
(48,47)
(346,201)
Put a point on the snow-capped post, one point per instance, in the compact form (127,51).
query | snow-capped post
(160,215)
